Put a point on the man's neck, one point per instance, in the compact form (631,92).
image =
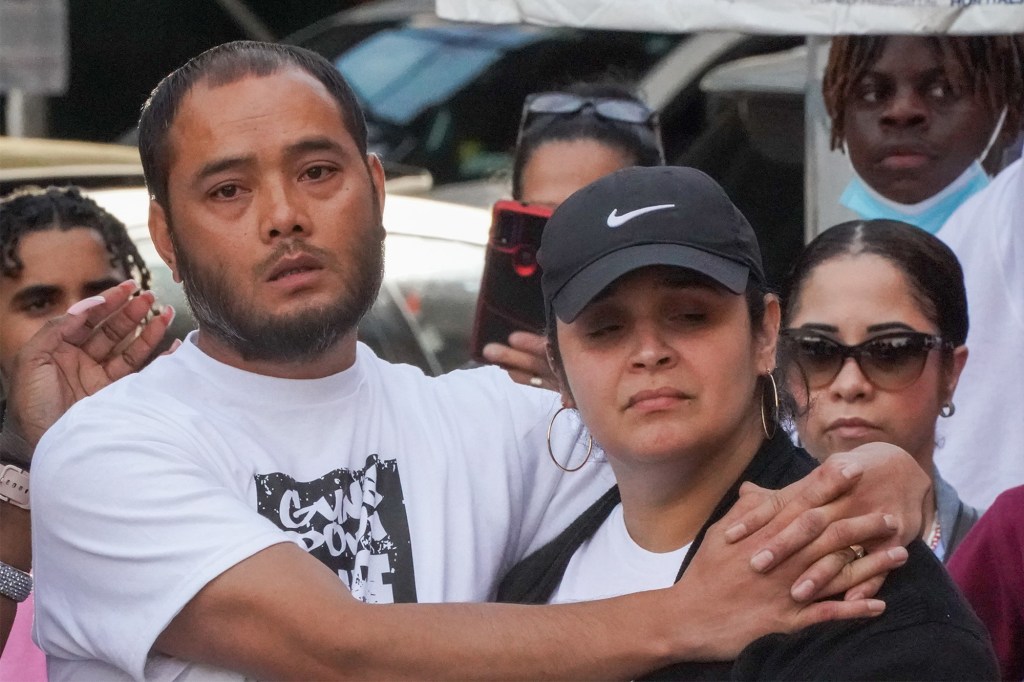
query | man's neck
(337,358)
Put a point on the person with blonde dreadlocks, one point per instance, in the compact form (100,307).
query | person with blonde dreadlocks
(918,115)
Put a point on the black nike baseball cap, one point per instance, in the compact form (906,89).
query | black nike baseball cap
(636,217)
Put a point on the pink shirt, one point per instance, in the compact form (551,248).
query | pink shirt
(22,660)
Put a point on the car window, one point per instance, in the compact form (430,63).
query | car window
(397,74)
(447,97)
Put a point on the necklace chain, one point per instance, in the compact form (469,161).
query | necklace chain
(935,534)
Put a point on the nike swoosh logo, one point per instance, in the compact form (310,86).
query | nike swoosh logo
(615,220)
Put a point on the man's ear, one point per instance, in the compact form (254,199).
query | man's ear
(376,169)
(160,233)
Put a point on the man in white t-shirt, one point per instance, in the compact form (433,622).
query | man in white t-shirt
(268,499)
(980,448)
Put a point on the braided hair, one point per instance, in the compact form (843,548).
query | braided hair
(993,65)
(33,209)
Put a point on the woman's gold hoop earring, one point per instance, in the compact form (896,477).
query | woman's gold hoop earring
(948,409)
(590,445)
(774,419)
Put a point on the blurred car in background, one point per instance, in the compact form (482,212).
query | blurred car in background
(25,161)
(434,250)
(447,96)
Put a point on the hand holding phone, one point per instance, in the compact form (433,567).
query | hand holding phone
(510,297)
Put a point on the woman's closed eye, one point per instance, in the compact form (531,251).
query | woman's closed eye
(689,316)
(604,329)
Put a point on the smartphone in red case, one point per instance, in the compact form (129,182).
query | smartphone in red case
(510,296)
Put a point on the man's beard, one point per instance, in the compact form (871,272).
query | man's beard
(304,335)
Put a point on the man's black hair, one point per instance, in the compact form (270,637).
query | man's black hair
(223,65)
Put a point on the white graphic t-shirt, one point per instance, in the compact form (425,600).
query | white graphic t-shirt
(409,488)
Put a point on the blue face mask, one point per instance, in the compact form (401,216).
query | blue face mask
(929,215)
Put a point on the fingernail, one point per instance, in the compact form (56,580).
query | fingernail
(175,345)
(875,605)
(169,312)
(85,304)
(130,284)
(490,351)
(899,554)
(852,470)
(734,533)
(803,591)
(890,522)
(762,560)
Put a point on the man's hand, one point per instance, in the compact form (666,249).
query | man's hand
(736,604)
(872,496)
(525,359)
(97,342)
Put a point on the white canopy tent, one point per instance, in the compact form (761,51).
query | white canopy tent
(809,17)
(826,172)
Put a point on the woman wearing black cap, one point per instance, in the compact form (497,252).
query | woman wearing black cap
(663,336)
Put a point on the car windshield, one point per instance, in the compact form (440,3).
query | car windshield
(398,74)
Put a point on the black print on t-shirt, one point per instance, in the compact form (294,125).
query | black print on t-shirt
(352,521)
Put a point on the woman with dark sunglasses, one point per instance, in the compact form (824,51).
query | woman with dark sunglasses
(876,320)
(566,140)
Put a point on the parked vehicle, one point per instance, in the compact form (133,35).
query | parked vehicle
(446,96)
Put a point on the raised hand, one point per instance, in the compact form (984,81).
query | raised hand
(525,359)
(98,341)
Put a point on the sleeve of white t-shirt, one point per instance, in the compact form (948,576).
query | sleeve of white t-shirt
(127,526)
